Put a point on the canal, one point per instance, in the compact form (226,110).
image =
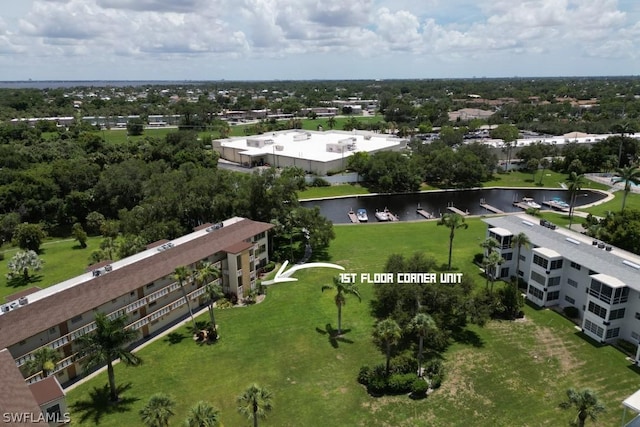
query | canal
(405,206)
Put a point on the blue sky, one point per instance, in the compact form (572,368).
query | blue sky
(313,39)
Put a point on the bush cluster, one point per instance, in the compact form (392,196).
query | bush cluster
(402,377)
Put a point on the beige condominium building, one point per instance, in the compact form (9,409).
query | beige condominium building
(141,287)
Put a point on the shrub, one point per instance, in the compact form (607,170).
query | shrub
(571,312)
(364,375)
(400,383)
(434,367)
(223,303)
(419,387)
(404,363)
(1,256)
(477,258)
(269,266)
(627,347)
(435,381)
(377,385)
(320,182)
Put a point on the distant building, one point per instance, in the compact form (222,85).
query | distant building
(313,151)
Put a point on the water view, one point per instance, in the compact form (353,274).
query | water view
(405,206)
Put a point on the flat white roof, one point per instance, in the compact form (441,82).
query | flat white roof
(609,281)
(315,147)
(547,253)
(501,231)
(633,402)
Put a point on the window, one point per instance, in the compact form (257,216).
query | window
(597,310)
(520,273)
(151,285)
(538,260)
(592,327)
(556,264)
(616,314)
(52,330)
(554,281)
(570,300)
(612,333)
(504,272)
(539,278)
(572,283)
(153,303)
(522,258)
(552,296)
(536,292)
(132,293)
(575,266)
(76,319)
(635,336)
(508,256)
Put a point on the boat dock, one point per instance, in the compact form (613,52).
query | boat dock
(424,213)
(458,211)
(521,205)
(490,208)
(555,205)
(353,217)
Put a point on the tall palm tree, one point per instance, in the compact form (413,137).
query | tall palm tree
(106,344)
(157,411)
(576,182)
(622,128)
(421,324)
(331,121)
(629,175)
(255,402)
(342,290)
(205,272)
(491,263)
(387,332)
(44,360)
(203,414)
(489,244)
(181,274)
(453,221)
(518,241)
(587,404)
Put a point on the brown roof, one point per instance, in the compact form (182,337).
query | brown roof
(202,226)
(47,390)
(238,247)
(24,322)
(16,397)
(157,243)
(21,294)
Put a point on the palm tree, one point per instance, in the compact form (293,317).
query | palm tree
(629,175)
(544,164)
(157,411)
(453,221)
(107,344)
(205,272)
(491,263)
(342,290)
(622,128)
(181,274)
(421,324)
(44,360)
(331,121)
(387,332)
(587,404)
(255,402)
(203,415)
(575,184)
(489,244)
(518,241)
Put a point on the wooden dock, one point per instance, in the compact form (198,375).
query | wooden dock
(458,211)
(424,213)
(491,208)
(353,217)
(521,205)
(555,205)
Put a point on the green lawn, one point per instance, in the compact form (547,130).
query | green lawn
(63,259)
(633,202)
(332,191)
(119,136)
(551,179)
(506,374)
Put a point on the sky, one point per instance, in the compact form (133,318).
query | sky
(314,39)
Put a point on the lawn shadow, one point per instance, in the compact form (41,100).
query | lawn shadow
(78,247)
(332,335)
(635,368)
(98,404)
(466,336)
(174,338)
(18,282)
(590,340)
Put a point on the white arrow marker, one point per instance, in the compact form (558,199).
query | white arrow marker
(284,276)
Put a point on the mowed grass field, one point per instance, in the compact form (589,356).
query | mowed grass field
(62,260)
(505,374)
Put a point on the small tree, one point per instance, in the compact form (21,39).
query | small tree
(203,415)
(157,411)
(452,221)
(22,263)
(255,402)
(44,360)
(79,234)
(135,127)
(28,236)
(586,403)
(387,333)
(342,289)
(421,324)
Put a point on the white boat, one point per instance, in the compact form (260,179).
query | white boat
(383,215)
(531,203)
(362,215)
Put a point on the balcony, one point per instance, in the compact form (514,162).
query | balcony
(239,273)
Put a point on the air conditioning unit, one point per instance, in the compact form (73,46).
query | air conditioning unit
(279,147)
(5,308)
(23,301)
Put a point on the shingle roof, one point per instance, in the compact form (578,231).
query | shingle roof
(20,324)
(47,390)
(16,398)
(566,244)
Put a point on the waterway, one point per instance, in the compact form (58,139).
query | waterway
(405,206)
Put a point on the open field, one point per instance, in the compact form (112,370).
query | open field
(504,374)
(62,259)
(332,191)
